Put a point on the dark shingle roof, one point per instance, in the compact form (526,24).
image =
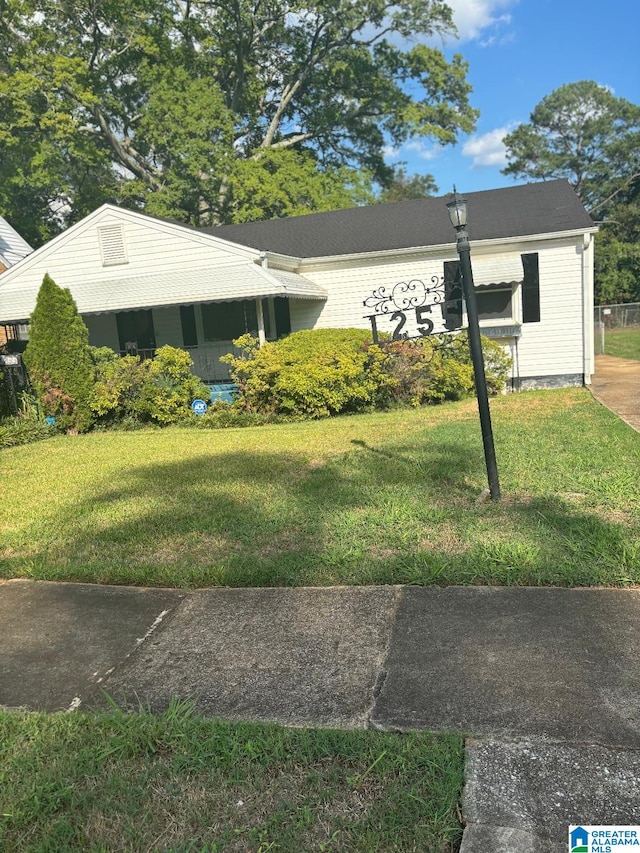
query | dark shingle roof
(540,208)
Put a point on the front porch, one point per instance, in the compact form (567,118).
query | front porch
(204,330)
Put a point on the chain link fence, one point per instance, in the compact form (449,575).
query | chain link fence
(617,330)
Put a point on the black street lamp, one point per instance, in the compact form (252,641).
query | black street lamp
(458,214)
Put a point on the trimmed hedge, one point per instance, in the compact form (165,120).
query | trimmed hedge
(321,372)
(311,374)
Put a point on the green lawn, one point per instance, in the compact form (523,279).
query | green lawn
(621,343)
(116,782)
(381,498)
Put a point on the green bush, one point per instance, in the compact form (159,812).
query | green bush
(119,383)
(322,372)
(222,414)
(170,387)
(158,390)
(21,430)
(58,358)
(439,368)
(311,374)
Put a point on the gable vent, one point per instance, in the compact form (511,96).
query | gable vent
(112,245)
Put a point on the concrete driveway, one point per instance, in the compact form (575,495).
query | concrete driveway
(616,384)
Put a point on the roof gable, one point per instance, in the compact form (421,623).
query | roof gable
(90,244)
(541,208)
(115,246)
(12,246)
(115,260)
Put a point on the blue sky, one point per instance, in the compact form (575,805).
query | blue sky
(519,51)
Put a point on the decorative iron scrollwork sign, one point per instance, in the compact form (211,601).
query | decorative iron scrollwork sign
(409,305)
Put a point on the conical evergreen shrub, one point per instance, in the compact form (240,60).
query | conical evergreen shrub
(58,358)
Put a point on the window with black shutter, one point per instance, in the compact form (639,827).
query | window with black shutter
(224,321)
(531,289)
(452,307)
(188,323)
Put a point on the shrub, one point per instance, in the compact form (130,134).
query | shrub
(323,372)
(439,368)
(311,374)
(170,388)
(119,383)
(158,390)
(222,414)
(21,430)
(58,358)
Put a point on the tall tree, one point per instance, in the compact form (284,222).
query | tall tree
(584,133)
(162,103)
(404,187)
(617,250)
(58,357)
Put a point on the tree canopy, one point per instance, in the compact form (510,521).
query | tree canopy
(584,133)
(198,109)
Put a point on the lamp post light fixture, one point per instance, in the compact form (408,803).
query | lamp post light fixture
(457,208)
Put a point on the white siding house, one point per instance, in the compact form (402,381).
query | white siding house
(13,248)
(141,282)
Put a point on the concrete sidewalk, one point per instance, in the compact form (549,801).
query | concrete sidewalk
(546,682)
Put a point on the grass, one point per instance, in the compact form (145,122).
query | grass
(178,783)
(621,343)
(381,498)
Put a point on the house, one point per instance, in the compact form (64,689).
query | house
(141,282)
(12,249)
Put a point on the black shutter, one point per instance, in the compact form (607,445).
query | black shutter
(452,307)
(188,323)
(283,320)
(531,289)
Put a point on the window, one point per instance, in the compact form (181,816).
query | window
(135,331)
(283,320)
(188,323)
(452,307)
(494,303)
(224,321)
(531,289)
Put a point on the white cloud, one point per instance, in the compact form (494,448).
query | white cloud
(426,152)
(487,18)
(487,149)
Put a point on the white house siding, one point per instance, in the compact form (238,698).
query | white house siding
(349,286)
(548,352)
(307,314)
(12,246)
(554,347)
(74,259)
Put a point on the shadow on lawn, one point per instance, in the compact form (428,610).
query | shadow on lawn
(370,515)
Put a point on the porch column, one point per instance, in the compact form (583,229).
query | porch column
(261,335)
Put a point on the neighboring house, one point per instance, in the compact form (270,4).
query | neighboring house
(12,249)
(141,282)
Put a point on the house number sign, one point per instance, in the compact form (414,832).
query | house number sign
(406,310)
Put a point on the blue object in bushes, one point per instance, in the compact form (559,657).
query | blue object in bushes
(226,392)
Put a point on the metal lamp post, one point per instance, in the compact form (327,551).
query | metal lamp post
(458,214)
